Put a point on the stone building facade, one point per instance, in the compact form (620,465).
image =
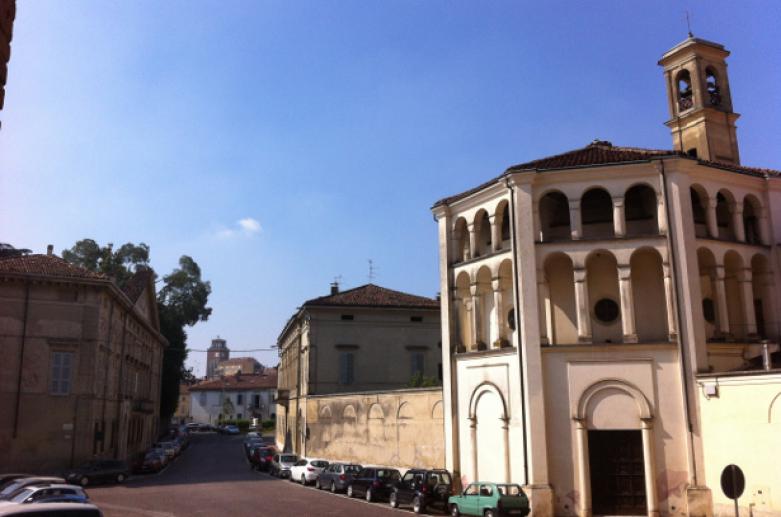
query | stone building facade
(367,339)
(234,365)
(216,353)
(586,294)
(235,397)
(82,367)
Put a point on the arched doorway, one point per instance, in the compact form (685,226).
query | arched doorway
(489,424)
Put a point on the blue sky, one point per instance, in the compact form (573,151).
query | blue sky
(284,143)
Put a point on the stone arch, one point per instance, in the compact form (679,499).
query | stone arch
(325,412)
(461,240)
(683,90)
(376,424)
(482,226)
(502,220)
(405,434)
(463,304)
(641,207)
(325,425)
(764,303)
(349,412)
(699,204)
(485,307)
(602,280)
(438,411)
(405,412)
(774,410)
(644,409)
(560,309)
(752,212)
(596,209)
(553,213)
(489,432)
(650,303)
(725,207)
(481,390)
(734,271)
(504,305)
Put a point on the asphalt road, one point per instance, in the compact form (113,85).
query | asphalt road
(212,478)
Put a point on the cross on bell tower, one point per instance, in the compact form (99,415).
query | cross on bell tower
(702,121)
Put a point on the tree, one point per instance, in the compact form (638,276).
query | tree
(181,303)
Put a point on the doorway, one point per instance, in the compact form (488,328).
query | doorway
(617,473)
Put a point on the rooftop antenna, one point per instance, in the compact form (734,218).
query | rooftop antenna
(372,271)
(689,24)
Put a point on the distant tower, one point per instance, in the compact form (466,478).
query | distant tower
(702,121)
(215,354)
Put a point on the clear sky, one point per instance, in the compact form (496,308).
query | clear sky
(284,143)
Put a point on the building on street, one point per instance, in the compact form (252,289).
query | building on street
(182,413)
(83,359)
(234,397)
(215,354)
(604,311)
(234,365)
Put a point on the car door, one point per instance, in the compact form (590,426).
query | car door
(405,488)
(487,497)
(469,503)
(365,477)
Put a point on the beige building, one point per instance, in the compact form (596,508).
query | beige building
(182,413)
(586,294)
(83,359)
(234,365)
(367,339)
(235,397)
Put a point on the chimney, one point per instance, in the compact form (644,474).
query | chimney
(50,250)
(334,288)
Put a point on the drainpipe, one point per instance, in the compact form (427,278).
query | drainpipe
(517,301)
(119,387)
(21,357)
(105,379)
(681,349)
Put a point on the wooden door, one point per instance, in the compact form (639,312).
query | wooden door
(617,473)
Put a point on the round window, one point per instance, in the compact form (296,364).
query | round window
(708,310)
(606,310)
(511,319)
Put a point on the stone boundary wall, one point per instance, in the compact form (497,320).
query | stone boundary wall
(399,428)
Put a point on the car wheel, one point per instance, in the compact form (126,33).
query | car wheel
(454,511)
(369,496)
(417,505)
(350,492)
(393,501)
(84,481)
(333,487)
(120,478)
(303,479)
(489,513)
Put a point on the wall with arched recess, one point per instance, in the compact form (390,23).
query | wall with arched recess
(400,428)
(741,425)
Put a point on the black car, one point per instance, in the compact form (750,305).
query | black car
(421,489)
(373,483)
(99,471)
(337,476)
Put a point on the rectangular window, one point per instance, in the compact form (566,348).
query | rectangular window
(347,317)
(416,319)
(238,416)
(239,399)
(346,361)
(417,363)
(202,398)
(61,367)
(256,401)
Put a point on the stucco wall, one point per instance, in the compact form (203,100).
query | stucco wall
(400,428)
(741,425)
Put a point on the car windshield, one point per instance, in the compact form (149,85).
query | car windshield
(439,478)
(22,495)
(388,474)
(320,464)
(352,469)
(288,458)
(11,488)
(509,489)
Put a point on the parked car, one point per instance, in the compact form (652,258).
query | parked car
(490,500)
(168,447)
(7,479)
(261,456)
(422,488)
(15,485)
(231,429)
(35,493)
(49,509)
(99,471)
(373,483)
(149,461)
(281,463)
(337,476)
(306,470)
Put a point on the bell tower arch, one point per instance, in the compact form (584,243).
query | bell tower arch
(702,121)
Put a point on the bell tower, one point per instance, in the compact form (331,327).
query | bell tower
(702,121)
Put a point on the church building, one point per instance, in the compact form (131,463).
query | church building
(589,297)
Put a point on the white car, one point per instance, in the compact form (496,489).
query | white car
(306,470)
(40,493)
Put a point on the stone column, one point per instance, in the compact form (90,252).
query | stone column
(582,305)
(619,217)
(661,215)
(628,326)
(669,298)
(543,295)
(477,326)
(649,465)
(721,299)
(584,472)
(473,437)
(764,229)
(576,228)
(537,223)
(472,241)
(496,232)
(506,436)
(498,330)
(736,210)
(710,216)
(747,291)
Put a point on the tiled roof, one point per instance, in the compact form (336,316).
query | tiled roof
(240,382)
(137,283)
(47,265)
(604,153)
(371,295)
(240,361)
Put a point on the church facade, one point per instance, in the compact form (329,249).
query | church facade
(585,295)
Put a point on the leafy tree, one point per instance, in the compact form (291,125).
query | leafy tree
(181,303)
(418,380)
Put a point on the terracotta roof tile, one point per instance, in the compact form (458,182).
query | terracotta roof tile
(371,295)
(240,382)
(46,265)
(137,283)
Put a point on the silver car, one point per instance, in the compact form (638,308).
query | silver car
(34,493)
(281,464)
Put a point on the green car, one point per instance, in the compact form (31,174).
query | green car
(490,500)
